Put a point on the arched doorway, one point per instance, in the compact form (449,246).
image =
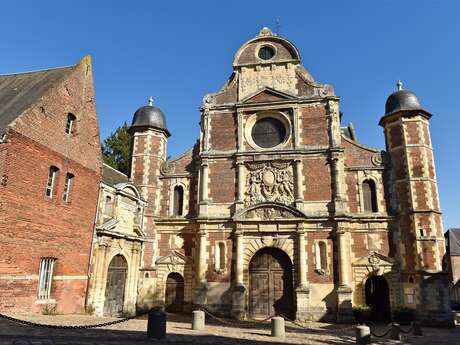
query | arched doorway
(115,286)
(378,297)
(270,284)
(174,294)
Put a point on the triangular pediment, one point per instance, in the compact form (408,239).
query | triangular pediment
(374,259)
(267,94)
(269,210)
(175,258)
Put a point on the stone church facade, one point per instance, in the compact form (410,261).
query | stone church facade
(276,209)
(279,209)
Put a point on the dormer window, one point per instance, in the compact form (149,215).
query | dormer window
(70,126)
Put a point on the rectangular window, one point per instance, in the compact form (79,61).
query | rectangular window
(67,187)
(108,206)
(52,176)
(69,128)
(45,277)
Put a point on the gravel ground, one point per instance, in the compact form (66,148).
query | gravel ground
(179,332)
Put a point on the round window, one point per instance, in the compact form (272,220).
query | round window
(268,132)
(266,53)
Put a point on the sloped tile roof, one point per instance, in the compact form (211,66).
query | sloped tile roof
(19,91)
(111,176)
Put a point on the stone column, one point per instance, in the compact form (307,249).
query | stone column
(295,130)
(344,291)
(238,294)
(339,182)
(201,285)
(298,184)
(203,207)
(241,182)
(99,281)
(302,290)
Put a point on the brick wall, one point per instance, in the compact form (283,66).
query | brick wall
(32,225)
(222,131)
(317,179)
(222,181)
(313,125)
(35,226)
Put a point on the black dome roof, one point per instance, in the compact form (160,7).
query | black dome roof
(150,116)
(402,100)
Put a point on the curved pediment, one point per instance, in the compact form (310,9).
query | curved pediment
(269,211)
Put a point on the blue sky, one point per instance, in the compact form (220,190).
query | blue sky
(177,51)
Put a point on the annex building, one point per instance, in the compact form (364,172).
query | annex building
(276,209)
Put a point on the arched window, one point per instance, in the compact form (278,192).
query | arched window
(369,196)
(70,125)
(178,202)
(321,256)
(68,187)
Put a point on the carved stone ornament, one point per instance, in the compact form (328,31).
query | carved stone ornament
(374,260)
(269,182)
(268,212)
(377,159)
(166,168)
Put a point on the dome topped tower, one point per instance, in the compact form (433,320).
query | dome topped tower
(402,100)
(149,116)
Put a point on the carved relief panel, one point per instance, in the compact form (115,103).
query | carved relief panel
(269,182)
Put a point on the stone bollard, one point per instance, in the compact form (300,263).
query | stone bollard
(417,328)
(395,333)
(156,325)
(278,327)
(363,335)
(198,320)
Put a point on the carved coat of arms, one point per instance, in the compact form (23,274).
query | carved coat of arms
(269,182)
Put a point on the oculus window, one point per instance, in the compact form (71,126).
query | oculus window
(266,53)
(268,132)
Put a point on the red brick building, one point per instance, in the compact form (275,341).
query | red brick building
(50,166)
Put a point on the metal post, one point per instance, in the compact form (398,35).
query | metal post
(417,328)
(198,320)
(363,335)
(278,327)
(395,333)
(156,325)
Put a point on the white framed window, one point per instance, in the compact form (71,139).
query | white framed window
(70,125)
(51,183)
(220,256)
(45,277)
(321,257)
(67,187)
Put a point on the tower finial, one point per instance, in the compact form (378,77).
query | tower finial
(151,101)
(399,85)
(278,27)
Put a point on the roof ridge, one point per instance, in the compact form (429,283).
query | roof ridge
(38,70)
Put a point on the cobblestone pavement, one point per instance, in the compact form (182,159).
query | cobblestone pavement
(179,332)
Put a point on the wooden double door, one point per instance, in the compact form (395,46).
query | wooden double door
(270,284)
(115,286)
